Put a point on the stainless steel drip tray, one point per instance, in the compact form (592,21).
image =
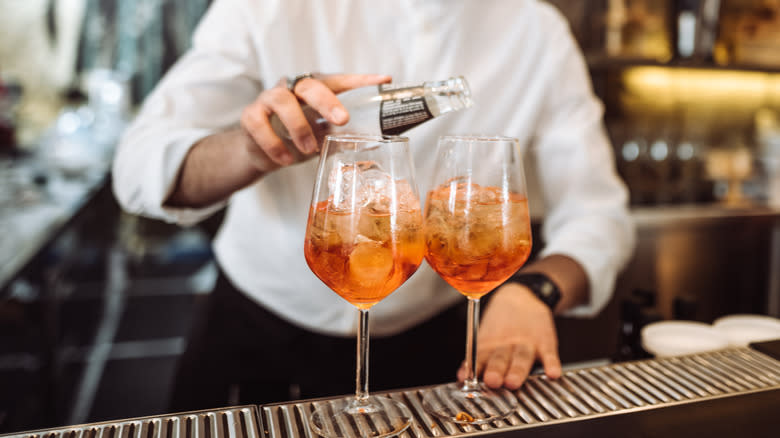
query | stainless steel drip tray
(237,422)
(730,393)
(600,400)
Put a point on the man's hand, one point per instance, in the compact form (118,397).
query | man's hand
(516,329)
(319,92)
(224,162)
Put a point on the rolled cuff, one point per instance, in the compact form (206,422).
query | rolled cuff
(600,266)
(144,188)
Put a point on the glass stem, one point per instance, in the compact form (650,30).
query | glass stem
(472,327)
(361,379)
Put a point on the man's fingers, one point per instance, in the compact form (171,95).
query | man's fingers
(255,122)
(510,364)
(497,365)
(319,93)
(323,100)
(522,361)
(462,372)
(286,106)
(551,362)
(339,83)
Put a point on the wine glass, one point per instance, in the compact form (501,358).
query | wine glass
(364,239)
(477,234)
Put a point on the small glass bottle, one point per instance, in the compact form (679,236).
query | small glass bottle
(389,109)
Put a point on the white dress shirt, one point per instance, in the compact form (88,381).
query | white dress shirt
(527,78)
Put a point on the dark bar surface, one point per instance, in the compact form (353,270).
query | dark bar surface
(750,415)
(770,348)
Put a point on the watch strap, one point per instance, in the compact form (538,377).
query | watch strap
(541,285)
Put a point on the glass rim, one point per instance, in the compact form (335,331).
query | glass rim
(478,137)
(376,138)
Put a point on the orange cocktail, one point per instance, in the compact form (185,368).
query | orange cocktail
(364,238)
(476,237)
(364,256)
(477,234)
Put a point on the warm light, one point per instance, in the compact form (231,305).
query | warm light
(699,90)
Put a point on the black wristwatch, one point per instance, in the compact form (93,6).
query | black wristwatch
(541,285)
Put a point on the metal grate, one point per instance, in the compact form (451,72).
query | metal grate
(579,394)
(239,422)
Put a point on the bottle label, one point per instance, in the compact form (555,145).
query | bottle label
(402,109)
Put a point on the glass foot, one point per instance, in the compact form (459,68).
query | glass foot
(376,417)
(474,406)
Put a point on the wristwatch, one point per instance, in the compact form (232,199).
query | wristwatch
(541,286)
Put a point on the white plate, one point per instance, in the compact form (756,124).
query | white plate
(744,329)
(674,338)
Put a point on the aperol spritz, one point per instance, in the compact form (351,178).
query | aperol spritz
(364,239)
(477,234)
(476,237)
(366,253)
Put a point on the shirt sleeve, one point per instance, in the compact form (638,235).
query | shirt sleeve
(586,202)
(203,93)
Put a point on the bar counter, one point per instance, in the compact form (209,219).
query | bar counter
(40,208)
(727,393)
(664,215)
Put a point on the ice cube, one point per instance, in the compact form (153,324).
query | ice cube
(370,263)
(374,226)
(346,188)
(407,198)
(377,181)
(485,230)
(378,186)
(480,241)
(487,195)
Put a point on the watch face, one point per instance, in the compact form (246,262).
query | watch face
(547,289)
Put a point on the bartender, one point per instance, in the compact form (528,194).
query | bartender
(272,330)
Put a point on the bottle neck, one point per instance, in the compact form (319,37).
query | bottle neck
(452,94)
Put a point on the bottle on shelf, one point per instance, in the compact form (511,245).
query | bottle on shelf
(707,29)
(687,18)
(661,164)
(767,132)
(631,151)
(615,18)
(637,29)
(389,109)
(689,152)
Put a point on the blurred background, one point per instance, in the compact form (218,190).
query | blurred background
(95,304)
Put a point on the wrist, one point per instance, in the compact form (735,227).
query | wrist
(541,286)
(516,294)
